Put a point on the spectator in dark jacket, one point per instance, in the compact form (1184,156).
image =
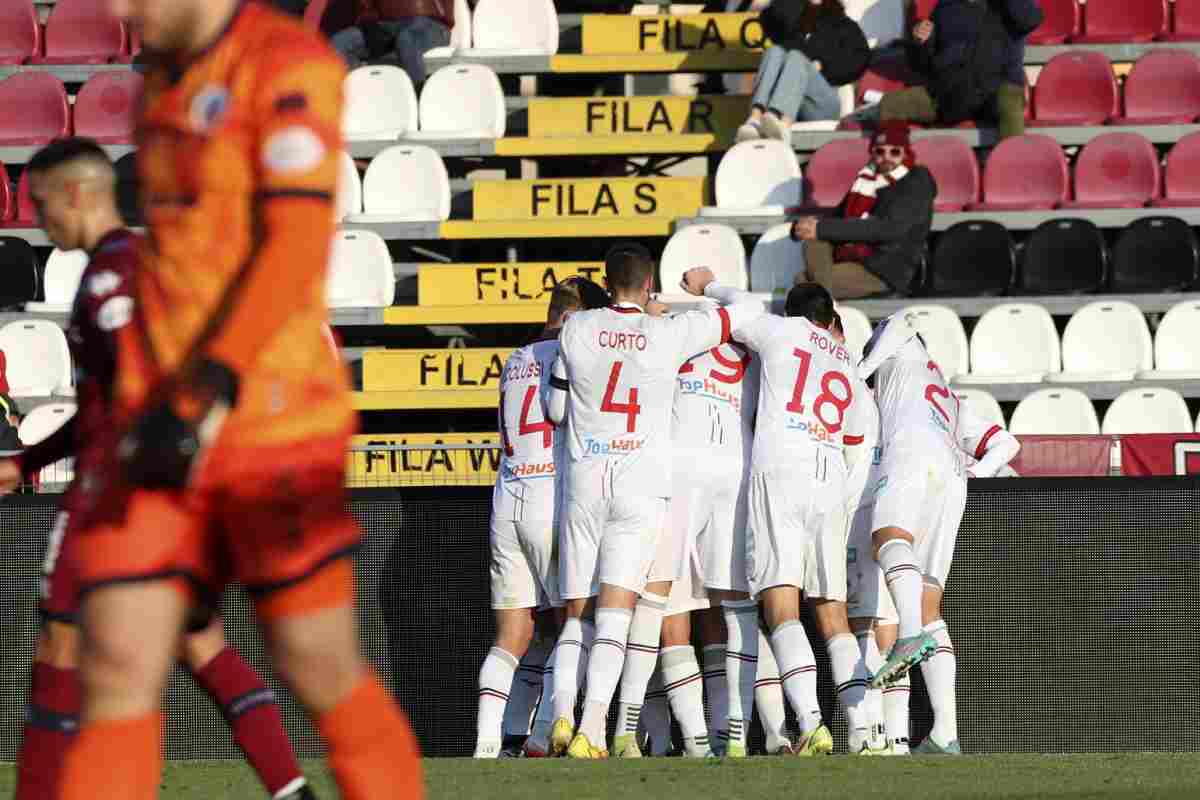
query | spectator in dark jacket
(872,244)
(816,48)
(396,31)
(972,53)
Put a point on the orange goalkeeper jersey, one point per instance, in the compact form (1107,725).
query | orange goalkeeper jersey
(238,161)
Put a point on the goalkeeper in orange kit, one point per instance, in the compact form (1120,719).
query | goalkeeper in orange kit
(232,413)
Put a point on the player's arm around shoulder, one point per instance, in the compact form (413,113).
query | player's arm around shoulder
(708,328)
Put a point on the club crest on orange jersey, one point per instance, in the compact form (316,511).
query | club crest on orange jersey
(208,107)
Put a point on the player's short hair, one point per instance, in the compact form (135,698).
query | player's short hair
(811,301)
(836,326)
(627,265)
(68,150)
(575,293)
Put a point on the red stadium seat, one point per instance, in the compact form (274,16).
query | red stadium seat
(1108,21)
(1185,22)
(1062,20)
(82,32)
(105,108)
(6,196)
(1076,88)
(1116,170)
(885,78)
(953,164)
(20,33)
(24,214)
(831,171)
(1024,172)
(133,46)
(1163,89)
(1181,179)
(33,109)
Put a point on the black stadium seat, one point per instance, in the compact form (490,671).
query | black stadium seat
(1155,254)
(18,272)
(1064,256)
(973,258)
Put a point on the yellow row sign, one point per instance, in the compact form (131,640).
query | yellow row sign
(605,34)
(372,462)
(609,116)
(589,198)
(473,370)
(466,284)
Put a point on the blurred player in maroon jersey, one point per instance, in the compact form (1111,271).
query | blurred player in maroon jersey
(74,188)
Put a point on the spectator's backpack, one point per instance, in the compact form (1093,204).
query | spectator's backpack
(962,93)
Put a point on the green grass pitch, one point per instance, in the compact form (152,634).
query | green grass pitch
(1136,777)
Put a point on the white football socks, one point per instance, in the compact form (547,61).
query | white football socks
(768,697)
(850,683)
(604,671)
(940,672)
(798,671)
(685,690)
(741,664)
(641,656)
(495,678)
(571,659)
(656,716)
(539,735)
(895,714)
(873,660)
(899,565)
(526,688)
(716,693)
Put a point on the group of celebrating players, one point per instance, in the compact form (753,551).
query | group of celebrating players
(721,465)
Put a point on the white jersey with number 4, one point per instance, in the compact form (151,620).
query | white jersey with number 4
(531,458)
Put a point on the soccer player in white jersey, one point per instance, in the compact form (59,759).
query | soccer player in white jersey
(797,493)
(526,505)
(618,366)
(920,495)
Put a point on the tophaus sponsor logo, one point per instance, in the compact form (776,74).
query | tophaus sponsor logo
(612,447)
(541,469)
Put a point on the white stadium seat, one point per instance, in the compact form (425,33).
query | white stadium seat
(717,247)
(882,21)
(775,260)
(1151,410)
(462,101)
(1061,411)
(60,281)
(361,274)
(349,191)
(514,28)
(1105,341)
(40,423)
(405,183)
(381,104)
(857,327)
(759,178)
(460,34)
(1013,343)
(1177,345)
(39,362)
(944,337)
(982,404)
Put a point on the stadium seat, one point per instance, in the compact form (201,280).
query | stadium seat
(1155,254)
(381,104)
(982,404)
(1063,256)
(82,32)
(717,247)
(60,280)
(40,422)
(954,168)
(514,28)
(1055,412)
(1116,170)
(1122,21)
(1013,343)
(350,190)
(1062,20)
(857,327)
(1185,22)
(831,170)
(1176,356)
(757,179)
(884,77)
(1181,176)
(405,183)
(361,274)
(462,101)
(106,106)
(1149,410)
(460,34)
(1075,88)
(973,258)
(944,337)
(882,21)
(775,260)
(1023,173)
(18,272)
(33,109)
(7,208)
(25,215)
(20,33)
(1107,340)
(39,362)
(1162,89)
(133,47)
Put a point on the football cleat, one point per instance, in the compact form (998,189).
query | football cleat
(867,750)
(560,736)
(626,746)
(487,750)
(580,747)
(305,792)
(735,750)
(906,654)
(785,749)
(929,747)
(817,743)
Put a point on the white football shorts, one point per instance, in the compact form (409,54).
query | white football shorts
(867,594)
(524,568)
(825,562)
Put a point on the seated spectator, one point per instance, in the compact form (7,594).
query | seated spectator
(816,48)
(391,31)
(972,52)
(872,244)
